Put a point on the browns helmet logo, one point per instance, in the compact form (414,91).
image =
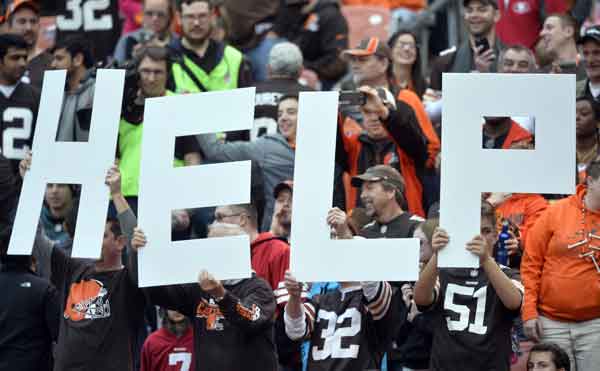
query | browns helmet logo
(211,313)
(87,300)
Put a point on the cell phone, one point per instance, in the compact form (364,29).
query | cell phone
(484,43)
(352,98)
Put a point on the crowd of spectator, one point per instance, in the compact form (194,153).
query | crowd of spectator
(533,304)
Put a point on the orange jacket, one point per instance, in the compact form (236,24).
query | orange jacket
(559,284)
(353,147)
(522,209)
(433,142)
(389,4)
(516,134)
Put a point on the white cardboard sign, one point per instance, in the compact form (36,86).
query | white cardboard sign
(314,256)
(71,162)
(468,170)
(164,188)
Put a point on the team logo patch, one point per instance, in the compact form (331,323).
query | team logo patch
(87,300)
(521,7)
(212,313)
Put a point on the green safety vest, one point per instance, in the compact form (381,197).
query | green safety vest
(130,150)
(223,77)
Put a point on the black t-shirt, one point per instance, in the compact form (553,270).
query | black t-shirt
(97,21)
(29,315)
(471,325)
(102,314)
(18,115)
(403,226)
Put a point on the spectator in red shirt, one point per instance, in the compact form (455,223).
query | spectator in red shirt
(270,254)
(521,20)
(170,348)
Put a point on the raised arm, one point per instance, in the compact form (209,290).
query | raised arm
(252,311)
(426,287)
(231,151)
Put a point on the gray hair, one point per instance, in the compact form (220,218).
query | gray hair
(519,49)
(285,59)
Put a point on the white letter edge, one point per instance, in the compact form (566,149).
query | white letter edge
(164,188)
(468,170)
(71,162)
(314,255)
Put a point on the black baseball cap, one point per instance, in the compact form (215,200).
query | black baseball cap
(493,3)
(380,173)
(591,33)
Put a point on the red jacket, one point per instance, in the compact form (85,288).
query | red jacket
(270,258)
(521,21)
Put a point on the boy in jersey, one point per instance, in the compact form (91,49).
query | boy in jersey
(473,308)
(349,328)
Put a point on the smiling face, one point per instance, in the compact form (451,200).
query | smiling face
(480,18)
(555,35)
(374,198)
(591,56)
(404,51)
(287,118)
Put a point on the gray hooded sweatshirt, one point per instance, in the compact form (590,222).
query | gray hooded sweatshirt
(74,125)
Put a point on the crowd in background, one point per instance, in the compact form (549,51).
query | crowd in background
(534,303)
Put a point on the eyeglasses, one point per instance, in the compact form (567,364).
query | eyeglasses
(155,13)
(408,45)
(221,217)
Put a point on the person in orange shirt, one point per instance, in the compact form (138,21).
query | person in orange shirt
(561,275)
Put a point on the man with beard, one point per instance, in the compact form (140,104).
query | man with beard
(281,224)
(479,51)
(23,18)
(171,348)
(382,195)
(73,54)
(18,101)
(504,133)
(201,63)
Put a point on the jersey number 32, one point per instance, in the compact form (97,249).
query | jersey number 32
(332,345)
